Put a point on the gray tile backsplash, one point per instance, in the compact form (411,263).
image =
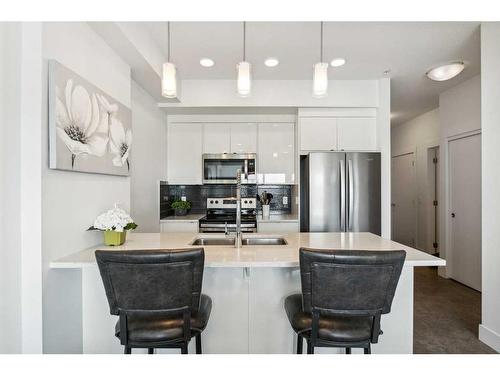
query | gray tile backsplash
(198,194)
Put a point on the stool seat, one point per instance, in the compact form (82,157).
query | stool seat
(146,330)
(331,328)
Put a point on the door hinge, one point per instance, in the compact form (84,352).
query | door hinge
(435,203)
(435,245)
(435,160)
(412,163)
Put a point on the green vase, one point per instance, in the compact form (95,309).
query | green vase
(113,238)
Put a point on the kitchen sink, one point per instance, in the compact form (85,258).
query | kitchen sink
(230,241)
(257,241)
(213,241)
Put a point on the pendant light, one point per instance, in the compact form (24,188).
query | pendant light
(320,74)
(169,73)
(243,68)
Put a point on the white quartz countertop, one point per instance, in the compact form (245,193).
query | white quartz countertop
(190,217)
(254,256)
(278,218)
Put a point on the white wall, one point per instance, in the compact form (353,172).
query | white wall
(72,200)
(489,330)
(417,136)
(459,113)
(148,160)
(10,181)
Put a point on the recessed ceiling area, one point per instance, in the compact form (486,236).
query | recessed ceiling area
(406,49)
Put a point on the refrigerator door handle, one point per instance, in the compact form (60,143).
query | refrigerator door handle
(342,195)
(350,180)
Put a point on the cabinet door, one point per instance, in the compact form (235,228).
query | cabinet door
(244,138)
(216,138)
(275,158)
(179,226)
(284,227)
(184,153)
(357,134)
(318,134)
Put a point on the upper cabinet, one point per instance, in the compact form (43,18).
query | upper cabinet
(244,138)
(216,138)
(276,153)
(184,152)
(238,138)
(338,134)
(318,133)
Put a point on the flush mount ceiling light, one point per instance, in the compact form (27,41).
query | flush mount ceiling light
(446,71)
(271,62)
(243,68)
(169,73)
(320,74)
(339,61)
(206,62)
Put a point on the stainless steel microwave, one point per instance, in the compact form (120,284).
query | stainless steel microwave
(221,168)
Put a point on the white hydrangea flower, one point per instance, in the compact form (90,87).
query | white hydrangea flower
(115,219)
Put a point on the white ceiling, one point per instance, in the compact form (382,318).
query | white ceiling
(407,49)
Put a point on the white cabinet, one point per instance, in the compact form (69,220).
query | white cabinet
(318,133)
(275,157)
(243,138)
(184,153)
(216,138)
(190,226)
(357,134)
(338,134)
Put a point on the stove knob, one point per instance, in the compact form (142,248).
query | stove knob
(211,202)
(216,202)
(245,202)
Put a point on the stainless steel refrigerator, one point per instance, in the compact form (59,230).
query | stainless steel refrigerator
(340,192)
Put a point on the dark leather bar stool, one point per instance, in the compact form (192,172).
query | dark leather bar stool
(344,293)
(157,294)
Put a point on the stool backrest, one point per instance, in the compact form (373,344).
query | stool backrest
(349,282)
(152,280)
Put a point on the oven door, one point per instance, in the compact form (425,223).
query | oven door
(221,168)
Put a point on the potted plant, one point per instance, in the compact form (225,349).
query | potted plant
(114,223)
(181,207)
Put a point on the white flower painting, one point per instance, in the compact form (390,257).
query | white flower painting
(89,130)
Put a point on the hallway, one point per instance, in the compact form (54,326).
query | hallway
(446,316)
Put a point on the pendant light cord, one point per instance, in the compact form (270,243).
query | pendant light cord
(168,39)
(321,48)
(244,40)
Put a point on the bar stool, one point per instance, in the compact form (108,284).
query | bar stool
(157,295)
(344,293)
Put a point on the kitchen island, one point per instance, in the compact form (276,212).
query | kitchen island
(248,286)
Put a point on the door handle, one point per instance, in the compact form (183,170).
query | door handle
(342,195)
(350,179)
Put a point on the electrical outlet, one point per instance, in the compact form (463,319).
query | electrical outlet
(183,198)
(285,200)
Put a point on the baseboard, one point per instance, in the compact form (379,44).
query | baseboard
(489,337)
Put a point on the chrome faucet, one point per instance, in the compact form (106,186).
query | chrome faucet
(238,241)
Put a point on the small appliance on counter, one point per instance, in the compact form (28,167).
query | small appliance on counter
(222,168)
(221,215)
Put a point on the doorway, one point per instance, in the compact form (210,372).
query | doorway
(464,216)
(404,223)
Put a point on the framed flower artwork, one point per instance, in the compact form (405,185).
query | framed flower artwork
(89,131)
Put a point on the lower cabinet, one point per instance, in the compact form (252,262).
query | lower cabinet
(179,226)
(278,227)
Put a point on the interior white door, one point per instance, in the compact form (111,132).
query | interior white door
(404,199)
(465,210)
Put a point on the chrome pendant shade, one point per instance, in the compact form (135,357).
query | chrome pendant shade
(244,81)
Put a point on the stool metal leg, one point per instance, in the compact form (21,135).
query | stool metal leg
(300,341)
(198,344)
(151,350)
(127,350)
(310,347)
(184,348)
(347,350)
(368,349)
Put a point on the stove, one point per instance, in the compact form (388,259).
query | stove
(221,213)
